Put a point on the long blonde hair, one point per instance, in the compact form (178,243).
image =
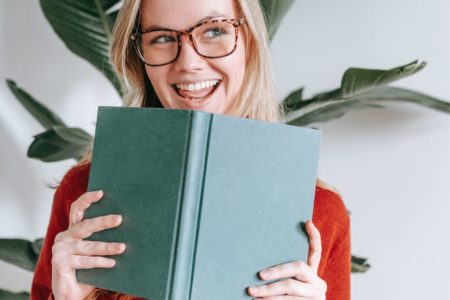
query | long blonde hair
(255,100)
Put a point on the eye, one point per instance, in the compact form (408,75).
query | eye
(163,39)
(211,33)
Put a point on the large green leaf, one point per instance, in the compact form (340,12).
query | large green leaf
(85,27)
(5,295)
(39,111)
(21,253)
(274,11)
(59,143)
(358,80)
(353,82)
(324,110)
(363,88)
(328,112)
(359,264)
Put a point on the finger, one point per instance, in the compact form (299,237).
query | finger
(315,246)
(281,298)
(289,287)
(90,262)
(87,227)
(90,248)
(297,269)
(64,263)
(80,205)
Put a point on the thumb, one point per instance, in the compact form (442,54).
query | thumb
(315,246)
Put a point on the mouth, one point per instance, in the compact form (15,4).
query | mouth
(196,92)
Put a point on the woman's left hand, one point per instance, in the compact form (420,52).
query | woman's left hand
(301,280)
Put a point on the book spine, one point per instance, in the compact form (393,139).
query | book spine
(191,192)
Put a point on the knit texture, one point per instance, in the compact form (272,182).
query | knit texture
(329,216)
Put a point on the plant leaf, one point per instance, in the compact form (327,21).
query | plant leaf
(20,252)
(358,80)
(329,111)
(293,100)
(274,11)
(314,110)
(389,94)
(359,264)
(6,295)
(40,112)
(59,143)
(85,27)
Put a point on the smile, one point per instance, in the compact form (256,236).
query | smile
(196,86)
(198,91)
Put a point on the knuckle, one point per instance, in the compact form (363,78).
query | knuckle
(84,261)
(59,237)
(324,285)
(299,265)
(89,245)
(83,225)
(108,221)
(73,207)
(57,259)
(289,284)
(113,247)
(56,248)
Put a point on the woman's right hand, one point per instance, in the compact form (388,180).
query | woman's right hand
(70,252)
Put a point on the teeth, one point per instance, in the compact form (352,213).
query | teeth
(196,86)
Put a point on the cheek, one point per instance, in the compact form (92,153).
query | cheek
(156,76)
(234,69)
(240,60)
(159,78)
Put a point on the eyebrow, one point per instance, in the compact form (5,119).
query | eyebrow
(212,15)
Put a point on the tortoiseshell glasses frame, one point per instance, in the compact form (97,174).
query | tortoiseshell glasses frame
(223,46)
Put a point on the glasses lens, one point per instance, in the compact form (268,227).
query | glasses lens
(158,47)
(214,39)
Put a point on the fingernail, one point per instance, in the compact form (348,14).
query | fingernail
(117,219)
(122,247)
(264,274)
(254,289)
(112,262)
(99,193)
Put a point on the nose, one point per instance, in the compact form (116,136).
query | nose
(188,59)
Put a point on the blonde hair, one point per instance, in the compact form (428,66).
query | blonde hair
(255,100)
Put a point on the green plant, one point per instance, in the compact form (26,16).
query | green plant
(85,27)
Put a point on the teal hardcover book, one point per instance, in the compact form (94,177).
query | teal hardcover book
(207,200)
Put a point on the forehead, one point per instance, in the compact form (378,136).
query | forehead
(182,14)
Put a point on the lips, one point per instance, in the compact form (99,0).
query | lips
(196,93)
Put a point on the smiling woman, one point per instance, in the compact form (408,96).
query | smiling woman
(209,55)
(190,69)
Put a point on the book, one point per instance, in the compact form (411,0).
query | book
(207,200)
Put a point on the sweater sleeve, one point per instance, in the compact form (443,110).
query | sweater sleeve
(330,217)
(73,185)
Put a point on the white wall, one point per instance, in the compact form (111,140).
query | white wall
(392,165)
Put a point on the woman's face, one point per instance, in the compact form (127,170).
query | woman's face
(187,83)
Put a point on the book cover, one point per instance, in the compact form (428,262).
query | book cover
(207,200)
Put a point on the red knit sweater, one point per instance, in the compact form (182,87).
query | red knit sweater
(329,216)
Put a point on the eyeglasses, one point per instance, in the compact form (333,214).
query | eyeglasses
(211,39)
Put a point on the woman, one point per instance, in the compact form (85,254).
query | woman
(210,55)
